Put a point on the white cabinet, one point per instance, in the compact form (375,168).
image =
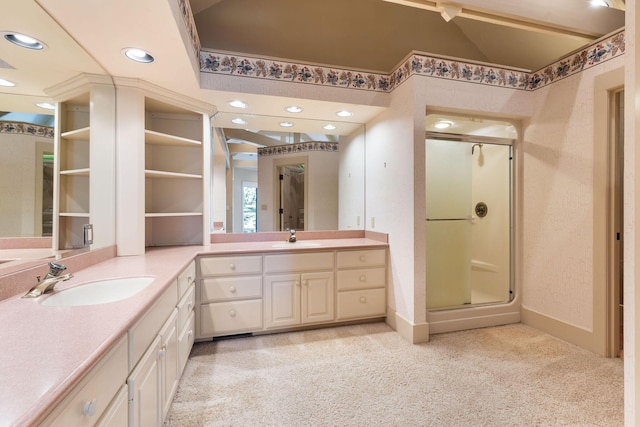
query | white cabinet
(92,397)
(361,278)
(117,415)
(169,375)
(229,295)
(144,388)
(294,299)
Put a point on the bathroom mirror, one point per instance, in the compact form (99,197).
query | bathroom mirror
(262,154)
(27,130)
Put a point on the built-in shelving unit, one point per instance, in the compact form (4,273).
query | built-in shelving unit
(73,153)
(174,162)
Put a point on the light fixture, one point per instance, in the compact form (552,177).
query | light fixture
(239,121)
(344,113)
(328,127)
(294,109)
(137,55)
(23,40)
(46,105)
(238,104)
(442,124)
(600,3)
(6,83)
(286,124)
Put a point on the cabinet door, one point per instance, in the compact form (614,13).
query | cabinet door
(144,389)
(117,414)
(317,297)
(282,300)
(169,362)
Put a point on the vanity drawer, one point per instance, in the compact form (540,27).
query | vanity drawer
(365,258)
(363,278)
(361,303)
(92,396)
(286,263)
(185,342)
(221,318)
(186,278)
(185,307)
(218,266)
(227,288)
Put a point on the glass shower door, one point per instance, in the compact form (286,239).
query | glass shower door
(468,241)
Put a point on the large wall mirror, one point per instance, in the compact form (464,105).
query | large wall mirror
(277,173)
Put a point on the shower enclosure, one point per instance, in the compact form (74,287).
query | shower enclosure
(469,221)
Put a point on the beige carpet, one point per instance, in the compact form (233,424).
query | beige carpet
(367,375)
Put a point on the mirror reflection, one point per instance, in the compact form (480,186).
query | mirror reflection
(283,174)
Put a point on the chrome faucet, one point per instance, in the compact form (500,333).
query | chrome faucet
(49,282)
(292,236)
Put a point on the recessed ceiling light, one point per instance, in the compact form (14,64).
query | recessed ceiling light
(286,124)
(239,121)
(443,124)
(46,105)
(294,109)
(238,104)
(6,83)
(137,55)
(24,41)
(344,113)
(328,127)
(601,3)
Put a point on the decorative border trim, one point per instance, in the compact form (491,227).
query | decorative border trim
(416,64)
(19,128)
(190,24)
(298,148)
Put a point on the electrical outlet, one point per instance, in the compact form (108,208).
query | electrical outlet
(88,234)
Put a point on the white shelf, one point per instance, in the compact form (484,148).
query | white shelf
(148,173)
(158,138)
(77,134)
(76,172)
(75,214)
(171,214)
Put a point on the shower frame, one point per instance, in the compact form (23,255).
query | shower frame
(468,316)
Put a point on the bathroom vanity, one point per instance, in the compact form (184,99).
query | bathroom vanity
(119,363)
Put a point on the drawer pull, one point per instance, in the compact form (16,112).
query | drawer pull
(362,258)
(363,278)
(232,289)
(363,300)
(232,313)
(232,266)
(89,408)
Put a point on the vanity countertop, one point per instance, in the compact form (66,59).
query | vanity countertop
(47,350)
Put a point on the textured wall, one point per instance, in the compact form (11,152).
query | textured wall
(558,198)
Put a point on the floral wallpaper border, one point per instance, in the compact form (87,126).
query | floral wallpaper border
(298,148)
(190,23)
(26,129)
(418,64)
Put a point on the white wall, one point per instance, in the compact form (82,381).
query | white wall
(351,181)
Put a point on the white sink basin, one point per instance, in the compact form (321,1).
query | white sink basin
(298,244)
(100,292)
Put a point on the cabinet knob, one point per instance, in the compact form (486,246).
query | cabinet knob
(363,300)
(297,283)
(232,289)
(232,266)
(89,408)
(190,332)
(232,313)
(189,304)
(362,258)
(305,282)
(363,278)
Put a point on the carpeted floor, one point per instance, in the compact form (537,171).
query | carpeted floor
(367,375)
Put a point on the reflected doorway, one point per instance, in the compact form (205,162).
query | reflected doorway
(292,196)
(249,207)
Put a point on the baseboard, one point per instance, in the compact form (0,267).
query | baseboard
(415,334)
(473,322)
(565,331)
